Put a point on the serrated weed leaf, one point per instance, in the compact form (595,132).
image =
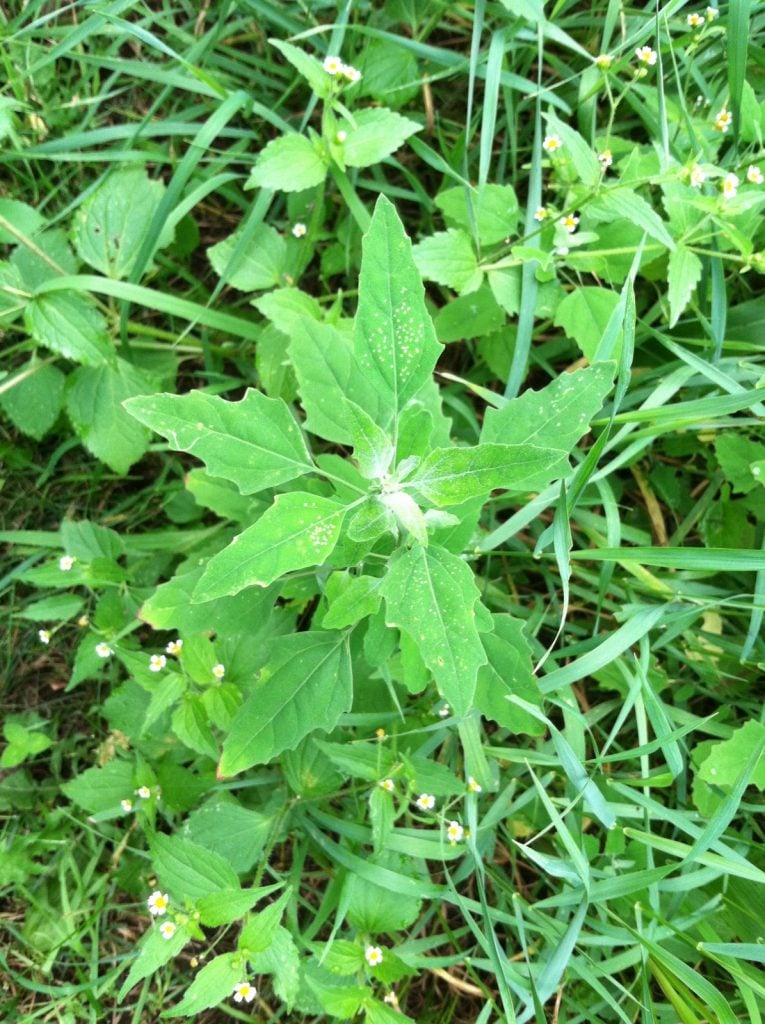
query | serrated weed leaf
(432,594)
(306,685)
(256,442)
(298,530)
(394,341)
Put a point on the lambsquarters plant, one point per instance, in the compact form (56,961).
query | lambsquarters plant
(348,592)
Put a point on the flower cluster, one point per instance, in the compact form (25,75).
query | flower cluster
(335,67)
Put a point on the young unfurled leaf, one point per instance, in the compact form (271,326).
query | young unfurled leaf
(432,594)
(298,530)
(255,442)
(305,686)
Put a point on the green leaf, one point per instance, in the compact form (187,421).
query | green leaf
(170,607)
(470,316)
(306,685)
(67,323)
(227,906)
(449,476)
(298,530)
(586,163)
(350,598)
(24,219)
(284,307)
(237,833)
(111,225)
(290,163)
(683,275)
(508,671)
(11,303)
(189,871)
(737,455)
(214,983)
(448,258)
(23,743)
(408,514)
(259,265)
(432,594)
(259,931)
(154,953)
(372,449)
(624,203)
(191,726)
(49,258)
(546,425)
(98,790)
(34,403)
(255,442)
(725,761)
(371,909)
(87,541)
(394,342)
(373,134)
(94,405)
(328,373)
(494,210)
(52,609)
(584,315)
(307,65)
(371,520)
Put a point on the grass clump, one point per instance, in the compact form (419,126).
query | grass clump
(383,508)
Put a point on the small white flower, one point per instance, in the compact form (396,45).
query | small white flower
(352,74)
(373,955)
(104,650)
(218,671)
(698,176)
(157,662)
(144,792)
(712,13)
(473,786)
(333,65)
(606,158)
(43,635)
(387,785)
(541,214)
(83,621)
(454,832)
(753,176)
(244,992)
(723,121)
(65,563)
(167,929)
(391,999)
(570,223)
(174,647)
(426,802)
(341,136)
(604,61)
(126,805)
(158,903)
(299,230)
(551,143)
(646,55)
(445,711)
(730,185)
(695,20)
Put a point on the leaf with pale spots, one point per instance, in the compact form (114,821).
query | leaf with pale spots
(306,685)
(431,594)
(256,442)
(394,342)
(549,423)
(298,530)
